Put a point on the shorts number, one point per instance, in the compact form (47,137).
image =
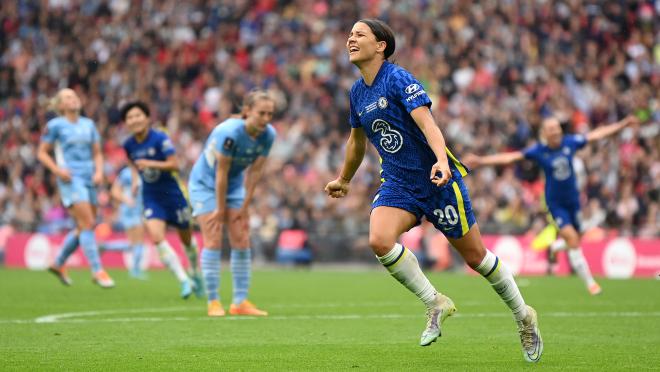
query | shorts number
(391,140)
(183,215)
(448,216)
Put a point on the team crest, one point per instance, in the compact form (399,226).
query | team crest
(151,151)
(566,151)
(382,102)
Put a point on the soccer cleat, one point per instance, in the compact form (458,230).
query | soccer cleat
(186,288)
(103,279)
(198,286)
(530,336)
(61,274)
(435,317)
(246,308)
(215,308)
(595,289)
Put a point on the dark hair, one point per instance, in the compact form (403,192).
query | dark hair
(131,105)
(383,32)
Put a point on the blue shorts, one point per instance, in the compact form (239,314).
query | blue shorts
(203,201)
(77,191)
(565,214)
(174,210)
(449,208)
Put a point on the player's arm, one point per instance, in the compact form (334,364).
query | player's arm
(43,154)
(504,158)
(253,176)
(355,149)
(171,163)
(608,130)
(221,172)
(424,120)
(97,178)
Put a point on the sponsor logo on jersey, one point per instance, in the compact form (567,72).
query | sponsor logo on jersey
(417,94)
(412,88)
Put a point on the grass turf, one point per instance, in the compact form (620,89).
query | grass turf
(319,320)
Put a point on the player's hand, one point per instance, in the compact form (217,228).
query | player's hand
(142,164)
(241,217)
(337,188)
(134,188)
(440,173)
(63,174)
(472,161)
(97,178)
(216,220)
(630,120)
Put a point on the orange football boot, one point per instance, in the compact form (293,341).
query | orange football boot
(246,308)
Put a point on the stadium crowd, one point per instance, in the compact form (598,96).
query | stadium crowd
(492,68)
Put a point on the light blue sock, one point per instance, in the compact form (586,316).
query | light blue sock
(240,272)
(211,272)
(88,244)
(68,247)
(138,252)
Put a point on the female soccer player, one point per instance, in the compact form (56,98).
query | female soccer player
(153,156)
(555,156)
(420,177)
(221,191)
(130,215)
(78,165)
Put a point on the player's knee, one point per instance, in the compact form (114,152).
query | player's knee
(380,244)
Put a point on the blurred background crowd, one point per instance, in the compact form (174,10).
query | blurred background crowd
(493,69)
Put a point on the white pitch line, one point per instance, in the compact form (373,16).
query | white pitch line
(74,317)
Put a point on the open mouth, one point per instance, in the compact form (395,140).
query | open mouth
(353,49)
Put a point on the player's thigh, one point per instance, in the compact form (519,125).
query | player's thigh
(564,218)
(135,234)
(156,229)
(238,229)
(386,224)
(470,246)
(211,232)
(570,235)
(83,214)
(185,235)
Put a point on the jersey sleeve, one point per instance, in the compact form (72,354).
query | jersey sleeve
(268,143)
(532,152)
(49,134)
(354,118)
(577,141)
(96,137)
(225,141)
(166,146)
(408,91)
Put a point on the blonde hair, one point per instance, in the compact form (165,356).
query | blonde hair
(55,101)
(252,97)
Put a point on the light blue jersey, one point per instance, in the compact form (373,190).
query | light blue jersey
(229,138)
(73,146)
(130,216)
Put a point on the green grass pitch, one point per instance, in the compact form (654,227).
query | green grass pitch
(320,320)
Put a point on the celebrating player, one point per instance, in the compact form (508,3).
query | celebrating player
(78,165)
(555,156)
(152,154)
(221,191)
(420,177)
(130,216)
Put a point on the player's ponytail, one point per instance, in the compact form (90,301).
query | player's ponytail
(54,103)
(251,98)
(383,32)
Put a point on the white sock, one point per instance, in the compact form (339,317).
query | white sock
(171,260)
(558,245)
(403,266)
(501,279)
(579,264)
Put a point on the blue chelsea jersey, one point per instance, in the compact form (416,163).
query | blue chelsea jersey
(383,111)
(557,164)
(230,138)
(73,144)
(156,146)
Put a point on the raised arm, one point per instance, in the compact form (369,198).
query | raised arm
(504,158)
(355,149)
(171,163)
(424,120)
(608,130)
